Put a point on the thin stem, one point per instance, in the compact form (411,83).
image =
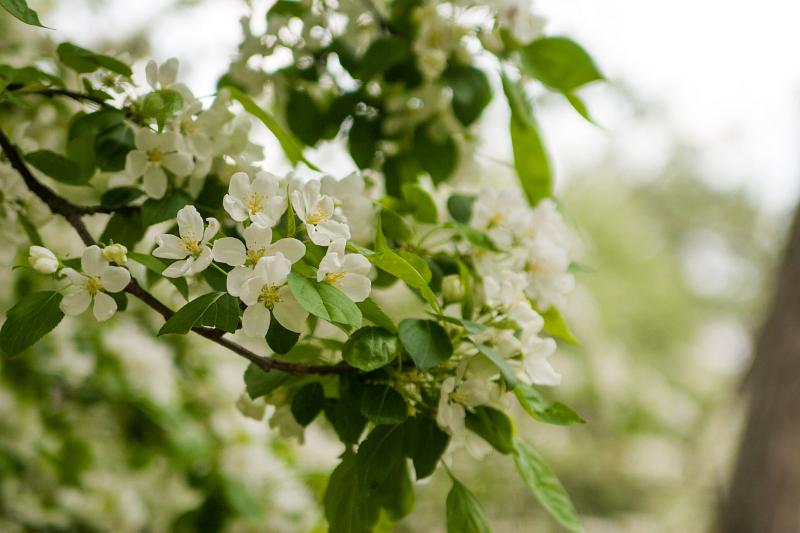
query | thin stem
(72,213)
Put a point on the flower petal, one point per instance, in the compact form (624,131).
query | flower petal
(168,72)
(179,163)
(92,261)
(74,276)
(292,249)
(355,286)
(235,208)
(356,264)
(250,290)
(229,250)
(104,306)
(274,268)
(135,163)
(212,228)
(155,181)
(255,320)
(178,268)
(202,262)
(239,186)
(265,184)
(76,300)
(288,312)
(257,237)
(190,223)
(115,278)
(236,278)
(151,72)
(145,139)
(170,247)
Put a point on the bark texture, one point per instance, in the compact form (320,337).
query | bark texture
(764,495)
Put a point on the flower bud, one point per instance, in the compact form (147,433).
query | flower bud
(42,260)
(116,253)
(452,289)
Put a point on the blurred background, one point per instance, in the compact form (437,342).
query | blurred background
(680,198)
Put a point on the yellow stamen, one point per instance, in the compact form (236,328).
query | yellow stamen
(192,246)
(269,296)
(254,201)
(155,155)
(318,216)
(253,256)
(93,285)
(334,277)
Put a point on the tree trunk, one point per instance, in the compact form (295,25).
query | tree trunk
(764,495)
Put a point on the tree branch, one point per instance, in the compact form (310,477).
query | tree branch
(72,213)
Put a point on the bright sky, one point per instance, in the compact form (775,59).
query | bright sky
(721,75)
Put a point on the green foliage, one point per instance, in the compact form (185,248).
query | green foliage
(215,309)
(260,383)
(307,403)
(33,316)
(423,208)
(161,105)
(464,512)
(460,207)
(471,92)
(324,300)
(371,311)
(120,196)
(304,117)
(383,54)
(530,158)
(84,61)
(493,426)
(370,348)
(545,486)
(560,63)
(544,411)
(57,167)
(157,266)
(280,339)
(124,228)
(424,444)
(164,208)
(437,157)
(345,413)
(20,9)
(556,326)
(498,361)
(426,342)
(382,404)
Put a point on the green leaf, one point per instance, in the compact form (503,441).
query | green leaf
(423,207)
(345,413)
(84,61)
(362,140)
(530,157)
(556,326)
(382,404)
(124,228)
(291,147)
(426,342)
(371,311)
(120,197)
(424,443)
(161,105)
(215,309)
(382,54)
(499,362)
(156,265)
(493,426)
(34,316)
(437,157)
(475,237)
(471,92)
(560,63)
(397,228)
(20,10)
(370,348)
(304,117)
(260,383)
(280,339)
(345,508)
(324,300)
(93,124)
(460,207)
(287,8)
(165,208)
(307,403)
(111,147)
(81,150)
(540,409)
(57,167)
(546,487)
(464,512)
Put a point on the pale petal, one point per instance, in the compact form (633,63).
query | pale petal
(202,262)
(178,268)
(255,321)
(239,186)
(288,312)
(212,228)
(114,279)
(265,184)
(355,286)
(169,141)
(298,204)
(236,278)
(92,261)
(250,290)
(170,247)
(135,163)
(327,231)
(275,269)
(190,223)
(257,237)
(330,264)
(74,276)
(76,300)
(151,72)
(155,181)
(179,163)
(337,247)
(104,306)
(168,72)
(292,249)
(145,139)
(229,250)
(357,264)
(235,208)
(541,373)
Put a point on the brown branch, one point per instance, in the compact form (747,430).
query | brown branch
(72,213)
(78,97)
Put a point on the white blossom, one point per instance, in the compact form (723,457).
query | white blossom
(316,210)
(350,196)
(153,154)
(42,260)
(347,272)
(536,351)
(116,253)
(92,284)
(261,200)
(165,76)
(265,293)
(191,248)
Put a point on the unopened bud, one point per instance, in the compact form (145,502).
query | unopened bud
(452,288)
(42,260)
(116,253)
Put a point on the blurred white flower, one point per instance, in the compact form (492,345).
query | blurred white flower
(153,154)
(97,276)
(350,196)
(317,211)
(42,260)
(535,352)
(347,272)
(261,200)
(191,248)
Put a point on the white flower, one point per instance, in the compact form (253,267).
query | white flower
(155,152)
(116,253)
(165,76)
(261,201)
(194,133)
(450,414)
(42,260)
(317,211)
(287,425)
(347,272)
(97,276)
(548,280)
(497,214)
(266,292)
(191,248)
(516,17)
(535,352)
(350,196)
(244,256)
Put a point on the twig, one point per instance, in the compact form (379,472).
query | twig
(72,213)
